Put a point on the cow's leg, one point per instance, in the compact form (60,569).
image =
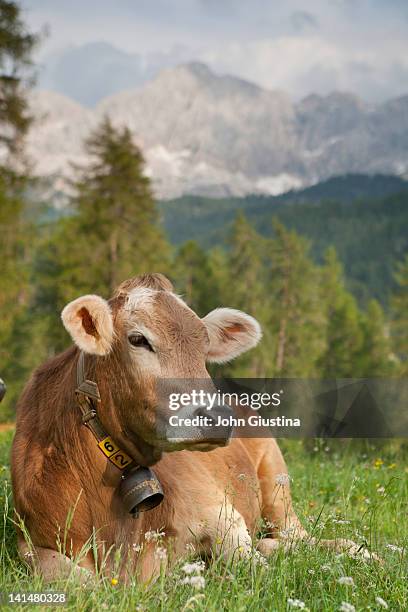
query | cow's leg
(53,565)
(229,535)
(346,546)
(268,546)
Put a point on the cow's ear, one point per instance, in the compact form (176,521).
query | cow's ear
(231,333)
(89,321)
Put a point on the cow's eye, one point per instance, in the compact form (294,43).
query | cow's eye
(139,340)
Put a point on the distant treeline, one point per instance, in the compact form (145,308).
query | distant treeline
(313,326)
(363,217)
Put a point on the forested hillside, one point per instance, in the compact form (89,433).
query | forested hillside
(364,218)
(313,326)
(296,263)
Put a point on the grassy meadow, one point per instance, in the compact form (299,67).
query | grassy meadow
(355,493)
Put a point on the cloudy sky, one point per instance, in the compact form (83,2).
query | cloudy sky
(296,45)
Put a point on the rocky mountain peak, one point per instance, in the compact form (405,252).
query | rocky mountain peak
(202,132)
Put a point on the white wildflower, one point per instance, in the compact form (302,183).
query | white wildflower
(346,580)
(347,607)
(296,603)
(394,548)
(326,567)
(259,559)
(193,568)
(137,547)
(381,602)
(381,490)
(285,534)
(198,582)
(341,522)
(282,479)
(160,553)
(153,536)
(29,554)
(364,553)
(311,572)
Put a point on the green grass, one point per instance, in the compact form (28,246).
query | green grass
(328,486)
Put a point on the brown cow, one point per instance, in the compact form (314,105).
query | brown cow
(66,490)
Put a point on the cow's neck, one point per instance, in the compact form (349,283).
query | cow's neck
(88,397)
(139,488)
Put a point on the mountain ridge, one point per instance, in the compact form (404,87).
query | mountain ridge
(207,134)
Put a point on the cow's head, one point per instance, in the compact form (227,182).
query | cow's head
(146,335)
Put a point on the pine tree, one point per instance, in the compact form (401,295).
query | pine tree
(16,46)
(246,265)
(18,239)
(195,279)
(113,233)
(116,216)
(375,359)
(245,289)
(343,333)
(399,324)
(220,273)
(295,313)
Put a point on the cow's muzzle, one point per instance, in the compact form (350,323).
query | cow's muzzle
(198,428)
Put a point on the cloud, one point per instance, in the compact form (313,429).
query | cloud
(301,65)
(299,46)
(88,73)
(278,64)
(303,21)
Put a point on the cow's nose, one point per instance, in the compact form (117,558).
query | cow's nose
(217,422)
(198,427)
